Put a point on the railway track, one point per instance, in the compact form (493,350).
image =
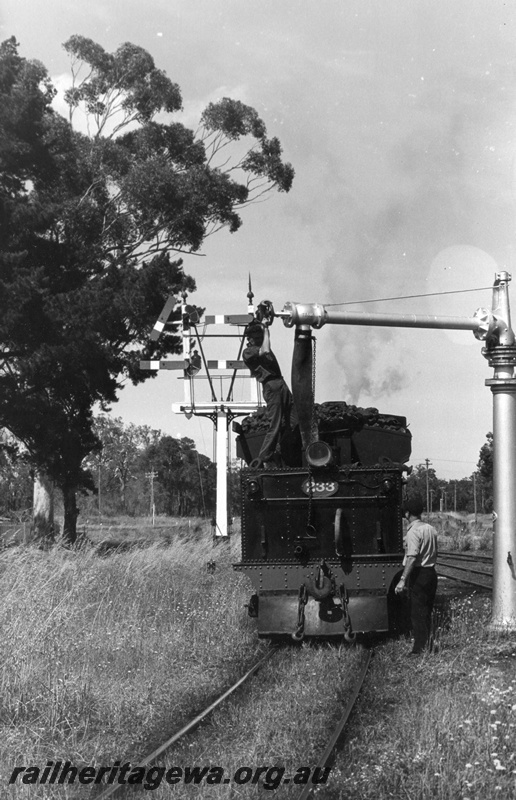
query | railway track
(194,723)
(326,758)
(329,752)
(466,567)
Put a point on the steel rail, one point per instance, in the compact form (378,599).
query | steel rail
(462,556)
(190,726)
(465,567)
(333,743)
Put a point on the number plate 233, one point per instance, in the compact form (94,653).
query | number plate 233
(319,488)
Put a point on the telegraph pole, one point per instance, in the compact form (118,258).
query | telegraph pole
(151,475)
(427,462)
(475,496)
(99,503)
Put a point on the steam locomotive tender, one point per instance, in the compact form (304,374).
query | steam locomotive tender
(322,538)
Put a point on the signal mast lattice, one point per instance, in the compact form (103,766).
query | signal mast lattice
(221,411)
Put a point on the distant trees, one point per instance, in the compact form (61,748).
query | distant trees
(87,226)
(485,459)
(418,480)
(466,494)
(186,478)
(137,463)
(485,470)
(115,464)
(133,462)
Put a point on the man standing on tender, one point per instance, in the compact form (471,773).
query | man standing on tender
(264,366)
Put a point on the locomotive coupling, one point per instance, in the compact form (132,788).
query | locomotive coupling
(321,586)
(318,592)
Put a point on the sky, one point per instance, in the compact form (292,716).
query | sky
(399,117)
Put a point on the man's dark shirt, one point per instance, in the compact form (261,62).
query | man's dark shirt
(262,366)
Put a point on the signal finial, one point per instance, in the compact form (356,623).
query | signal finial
(250,296)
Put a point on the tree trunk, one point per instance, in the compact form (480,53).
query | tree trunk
(70,515)
(123,497)
(43,528)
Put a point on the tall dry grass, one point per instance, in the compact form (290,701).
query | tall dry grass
(463,532)
(102,657)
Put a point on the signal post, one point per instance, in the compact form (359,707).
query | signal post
(220,411)
(221,414)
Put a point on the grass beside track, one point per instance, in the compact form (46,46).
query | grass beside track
(101,657)
(104,658)
(438,726)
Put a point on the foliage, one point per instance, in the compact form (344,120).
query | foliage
(485,471)
(116,463)
(87,225)
(465,494)
(135,462)
(168,186)
(485,460)
(417,483)
(15,477)
(124,84)
(186,478)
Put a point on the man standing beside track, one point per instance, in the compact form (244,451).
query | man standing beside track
(419,572)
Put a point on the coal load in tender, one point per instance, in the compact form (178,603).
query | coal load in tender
(357,435)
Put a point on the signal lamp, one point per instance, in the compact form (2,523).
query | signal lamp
(387,486)
(319,454)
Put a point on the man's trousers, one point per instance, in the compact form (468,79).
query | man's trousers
(423,586)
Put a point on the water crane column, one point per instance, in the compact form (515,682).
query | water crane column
(501,355)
